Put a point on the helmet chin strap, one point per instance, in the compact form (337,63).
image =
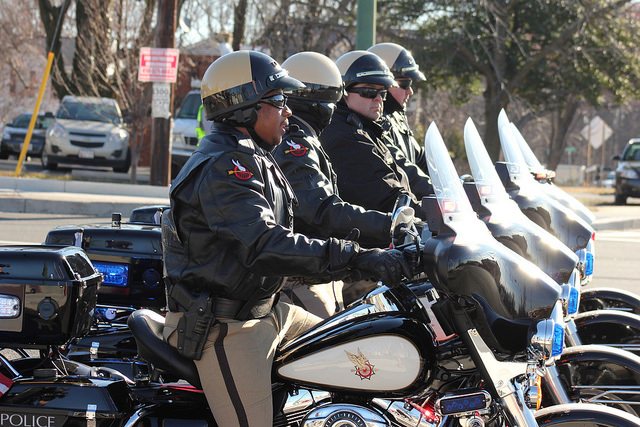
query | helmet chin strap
(256,138)
(246,118)
(252,131)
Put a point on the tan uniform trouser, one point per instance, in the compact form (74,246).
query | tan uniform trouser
(322,299)
(235,367)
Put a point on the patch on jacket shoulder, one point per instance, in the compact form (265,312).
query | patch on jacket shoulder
(295,149)
(239,171)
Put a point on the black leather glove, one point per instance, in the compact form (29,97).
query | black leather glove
(388,266)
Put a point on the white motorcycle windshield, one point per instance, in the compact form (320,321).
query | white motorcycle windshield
(529,156)
(492,193)
(486,178)
(518,168)
(455,207)
(555,192)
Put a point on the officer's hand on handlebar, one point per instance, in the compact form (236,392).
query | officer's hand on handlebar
(388,266)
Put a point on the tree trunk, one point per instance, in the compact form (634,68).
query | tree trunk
(494,101)
(93,45)
(560,125)
(239,22)
(49,15)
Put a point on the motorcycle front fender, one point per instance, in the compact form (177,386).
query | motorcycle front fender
(584,414)
(621,365)
(588,371)
(609,327)
(609,298)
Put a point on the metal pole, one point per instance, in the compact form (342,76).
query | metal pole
(588,155)
(161,127)
(366,24)
(43,85)
(34,116)
(602,155)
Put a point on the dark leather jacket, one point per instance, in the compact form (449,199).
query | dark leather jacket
(321,212)
(367,172)
(402,135)
(229,227)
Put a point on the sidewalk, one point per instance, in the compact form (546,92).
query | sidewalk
(102,199)
(77,197)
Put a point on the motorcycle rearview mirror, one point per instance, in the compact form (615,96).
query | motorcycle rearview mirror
(402,200)
(403,225)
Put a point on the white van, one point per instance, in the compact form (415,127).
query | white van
(184,140)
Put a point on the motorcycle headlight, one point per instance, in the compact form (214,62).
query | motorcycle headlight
(9,306)
(549,337)
(117,136)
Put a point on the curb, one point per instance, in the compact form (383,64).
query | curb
(83,187)
(26,195)
(620,224)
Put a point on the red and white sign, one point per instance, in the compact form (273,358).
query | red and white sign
(158,65)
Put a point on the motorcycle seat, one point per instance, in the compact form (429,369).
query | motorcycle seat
(146,326)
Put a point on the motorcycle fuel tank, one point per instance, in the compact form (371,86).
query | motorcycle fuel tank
(375,348)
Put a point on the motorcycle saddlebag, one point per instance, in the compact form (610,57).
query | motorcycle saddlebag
(47,295)
(66,401)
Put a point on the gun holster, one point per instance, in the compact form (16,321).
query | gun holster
(194,325)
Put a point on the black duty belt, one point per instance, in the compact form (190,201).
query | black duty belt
(238,309)
(180,299)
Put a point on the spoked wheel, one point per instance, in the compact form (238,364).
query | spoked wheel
(613,397)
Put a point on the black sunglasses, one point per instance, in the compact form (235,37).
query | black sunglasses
(278,101)
(369,92)
(404,84)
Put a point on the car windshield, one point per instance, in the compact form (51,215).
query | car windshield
(22,121)
(632,152)
(97,112)
(190,106)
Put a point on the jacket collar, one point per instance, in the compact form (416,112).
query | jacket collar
(358,119)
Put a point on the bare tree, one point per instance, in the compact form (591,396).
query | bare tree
(325,26)
(24,52)
(108,37)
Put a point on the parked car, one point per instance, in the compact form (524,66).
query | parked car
(14,133)
(610,180)
(87,131)
(628,172)
(184,138)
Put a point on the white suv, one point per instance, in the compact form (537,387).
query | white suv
(87,131)
(184,138)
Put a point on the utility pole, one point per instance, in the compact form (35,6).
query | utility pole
(366,24)
(160,126)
